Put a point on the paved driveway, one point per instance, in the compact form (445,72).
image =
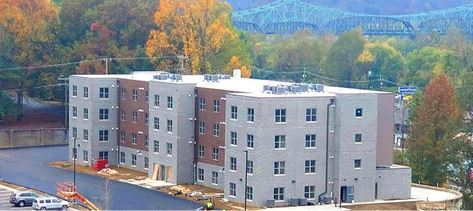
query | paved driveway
(29,167)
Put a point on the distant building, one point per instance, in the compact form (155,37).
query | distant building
(305,143)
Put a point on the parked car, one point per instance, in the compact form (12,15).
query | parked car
(22,199)
(50,203)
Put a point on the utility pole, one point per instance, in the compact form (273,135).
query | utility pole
(74,152)
(106,64)
(65,82)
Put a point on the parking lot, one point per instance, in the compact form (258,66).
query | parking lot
(4,200)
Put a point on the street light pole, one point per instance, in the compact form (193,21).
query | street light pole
(246,176)
(74,152)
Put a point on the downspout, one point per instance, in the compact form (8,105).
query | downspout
(119,100)
(332,102)
(195,142)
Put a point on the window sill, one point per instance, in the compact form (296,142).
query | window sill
(85,119)
(233,145)
(310,147)
(234,120)
(155,153)
(280,149)
(250,122)
(84,161)
(104,98)
(249,174)
(232,171)
(280,123)
(358,117)
(214,184)
(133,166)
(311,122)
(103,120)
(357,168)
(310,173)
(73,96)
(85,98)
(358,142)
(250,148)
(85,141)
(169,155)
(104,141)
(232,196)
(74,117)
(169,133)
(279,175)
(146,168)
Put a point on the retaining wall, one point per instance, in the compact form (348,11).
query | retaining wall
(33,137)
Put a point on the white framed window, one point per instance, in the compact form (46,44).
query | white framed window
(156,123)
(135,95)
(168,148)
(74,111)
(146,162)
(103,135)
(74,132)
(359,112)
(234,113)
(280,142)
(156,100)
(86,135)
(309,166)
(279,168)
(310,140)
(156,146)
(278,194)
(169,126)
(216,106)
(232,191)
(74,91)
(133,159)
(103,114)
(103,155)
(249,193)
(233,138)
(251,115)
(146,118)
(170,104)
(201,127)
(201,151)
(233,164)
(202,104)
(249,167)
(122,136)
(85,156)
(311,115)
(146,96)
(200,174)
(214,177)
(216,130)
(122,114)
(357,164)
(309,192)
(280,115)
(122,157)
(134,117)
(250,140)
(103,93)
(134,138)
(215,153)
(86,92)
(86,114)
(358,138)
(122,93)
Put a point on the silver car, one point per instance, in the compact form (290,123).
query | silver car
(22,199)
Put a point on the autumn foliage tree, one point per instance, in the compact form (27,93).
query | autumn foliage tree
(197,29)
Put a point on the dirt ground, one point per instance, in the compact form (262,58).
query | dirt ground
(386,206)
(124,173)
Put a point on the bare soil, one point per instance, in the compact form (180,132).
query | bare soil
(124,173)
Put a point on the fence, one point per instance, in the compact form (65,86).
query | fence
(33,137)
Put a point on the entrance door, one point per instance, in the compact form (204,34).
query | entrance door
(155,171)
(162,171)
(347,194)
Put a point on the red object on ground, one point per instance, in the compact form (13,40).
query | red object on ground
(99,164)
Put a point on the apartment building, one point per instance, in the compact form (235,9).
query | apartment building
(305,143)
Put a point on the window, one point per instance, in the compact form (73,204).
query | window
(103,93)
(122,136)
(200,174)
(310,166)
(86,135)
(232,189)
(358,138)
(135,95)
(202,104)
(216,106)
(214,177)
(278,194)
(86,113)
(169,126)
(85,156)
(133,138)
(134,117)
(122,157)
(309,192)
(170,102)
(146,96)
(250,140)
(122,115)
(201,127)
(233,164)
(146,118)
(249,193)
(146,141)
(122,93)
(310,140)
(311,115)
(233,138)
(86,92)
(234,113)
(103,114)
(156,100)
(249,167)
(279,142)
(358,112)
(357,163)
(74,132)
(103,135)
(146,163)
(280,115)
(156,123)
(156,146)
(74,111)
(169,148)
(251,115)
(216,130)
(215,153)
(74,91)
(103,155)
(201,151)
(133,159)
(279,167)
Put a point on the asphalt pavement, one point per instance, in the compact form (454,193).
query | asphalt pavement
(29,167)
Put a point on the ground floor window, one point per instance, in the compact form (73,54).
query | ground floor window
(232,189)
(278,194)
(200,174)
(214,177)
(122,157)
(309,192)
(249,193)
(146,163)
(103,155)
(133,159)
(86,156)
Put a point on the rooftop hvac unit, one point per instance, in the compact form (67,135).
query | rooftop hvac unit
(207,77)
(178,77)
(304,87)
(172,76)
(267,88)
(213,78)
(295,88)
(281,90)
(223,76)
(319,87)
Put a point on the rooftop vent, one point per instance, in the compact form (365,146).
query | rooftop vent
(223,76)
(175,77)
(319,88)
(162,76)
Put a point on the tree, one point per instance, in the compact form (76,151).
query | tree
(343,55)
(196,29)
(432,139)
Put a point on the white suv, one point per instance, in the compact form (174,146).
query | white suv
(48,203)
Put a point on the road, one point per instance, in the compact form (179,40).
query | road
(29,167)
